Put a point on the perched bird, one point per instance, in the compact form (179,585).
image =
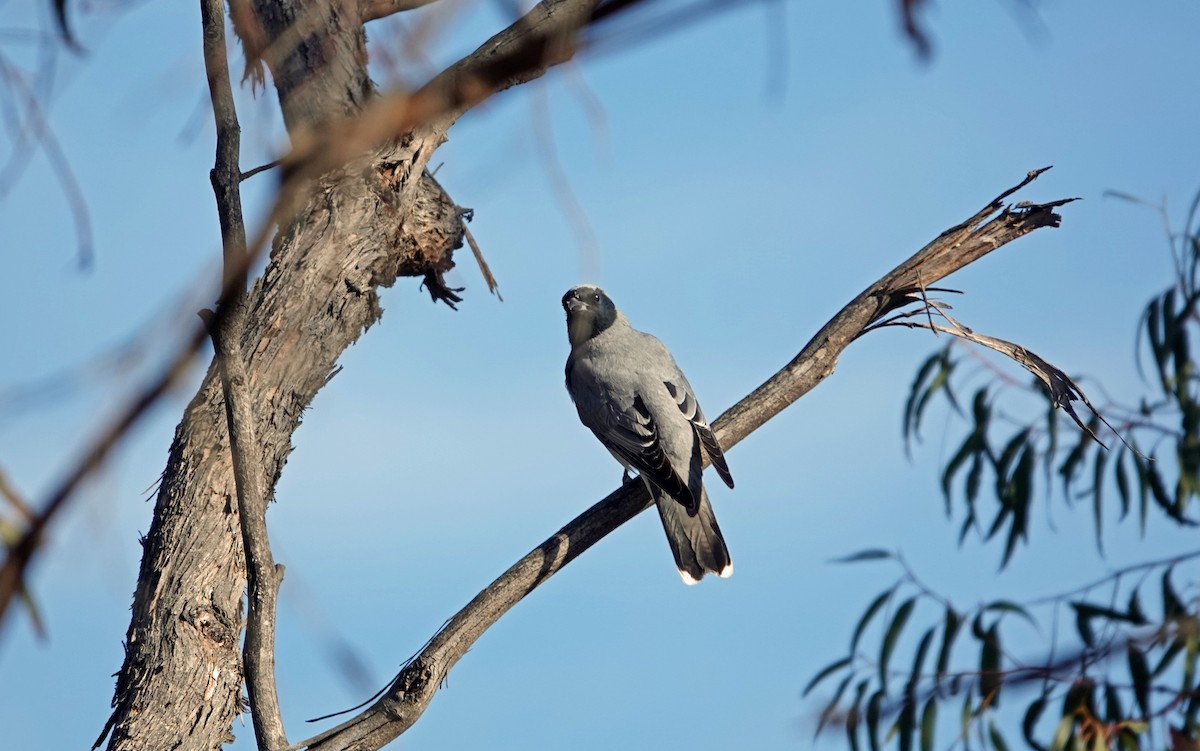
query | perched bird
(629,391)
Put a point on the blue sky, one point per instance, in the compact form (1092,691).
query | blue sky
(734,211)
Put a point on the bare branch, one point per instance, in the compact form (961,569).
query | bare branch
(263,576)
(546,36)
(412,690)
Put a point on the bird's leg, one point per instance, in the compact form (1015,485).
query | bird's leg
(625,476)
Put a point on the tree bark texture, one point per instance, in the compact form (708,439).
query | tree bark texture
(360,227)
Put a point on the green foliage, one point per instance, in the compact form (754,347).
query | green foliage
(1125,671)
(1121,665)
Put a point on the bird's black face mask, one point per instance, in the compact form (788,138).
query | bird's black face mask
(589,312)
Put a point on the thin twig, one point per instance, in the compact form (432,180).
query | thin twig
(263,576)
(36,129)
(493,285)
(260,168)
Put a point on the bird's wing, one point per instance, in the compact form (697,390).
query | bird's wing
(686,401)
(633,435)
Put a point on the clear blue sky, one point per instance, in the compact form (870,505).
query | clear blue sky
(734,210)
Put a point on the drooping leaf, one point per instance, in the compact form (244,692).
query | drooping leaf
(825,672)
(890,637)
(1029,723)
(918,396)
(1008,606)
(1173,650)
(929,723)
(1158,491)
(1139,464)
(970,447)
(1139,674)
(1070,465)
(830,710)
(906,723)
(951,623)
(1062,733)
(874,704)
(1089,611)
(1136,614)
(1122,482)
(1009,453)
(867,615)
(964,716)
(1112,704)
(919,659)
(853,714)
(1097,498)
(990,679)
(1173,607)
(996,738)
(1083,624)
(974,479)
(1022,497)
(1127,738)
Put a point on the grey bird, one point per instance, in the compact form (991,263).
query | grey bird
(631,394)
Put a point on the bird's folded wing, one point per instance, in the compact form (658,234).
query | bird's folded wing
(691,410)
(633,435)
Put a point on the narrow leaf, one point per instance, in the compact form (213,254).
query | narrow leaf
(889,638)
(1136,614)
(1172,606)
(1029,723)
(863,622)
(928,723)
(853,714)
(1008,606)
(1122,483)
(1062,733)
(1083,624)
(873,706)
(996,738)
(989,668)
(919,660)
(871,554)
(951,623)
(1097,498)
(827,671)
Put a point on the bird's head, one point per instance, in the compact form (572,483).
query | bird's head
(589,312)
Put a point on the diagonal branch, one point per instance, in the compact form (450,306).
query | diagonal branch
(413,689)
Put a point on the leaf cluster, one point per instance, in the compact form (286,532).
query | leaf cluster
(1125,676)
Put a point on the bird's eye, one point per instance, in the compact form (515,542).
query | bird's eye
(595,297)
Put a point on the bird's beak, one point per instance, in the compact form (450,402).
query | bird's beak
(574,304)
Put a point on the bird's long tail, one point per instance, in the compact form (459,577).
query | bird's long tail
(695,541)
